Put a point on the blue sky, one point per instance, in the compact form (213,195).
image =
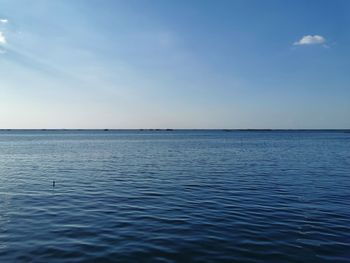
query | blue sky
(174,64)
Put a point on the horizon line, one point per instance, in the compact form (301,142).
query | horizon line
(174,129)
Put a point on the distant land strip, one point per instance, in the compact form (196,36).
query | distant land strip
(170,130)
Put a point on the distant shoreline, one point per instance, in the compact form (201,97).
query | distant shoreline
(172,130)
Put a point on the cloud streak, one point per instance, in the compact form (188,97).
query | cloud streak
(310,40)
(2,38)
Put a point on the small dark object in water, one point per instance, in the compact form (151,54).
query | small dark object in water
(53,183)
(106,130)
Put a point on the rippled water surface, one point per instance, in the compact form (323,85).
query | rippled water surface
(177,196)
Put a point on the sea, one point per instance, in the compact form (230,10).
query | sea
(174,196)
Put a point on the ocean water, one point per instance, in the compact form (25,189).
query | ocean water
(176,196)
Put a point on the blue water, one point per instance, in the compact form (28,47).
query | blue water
(177,196)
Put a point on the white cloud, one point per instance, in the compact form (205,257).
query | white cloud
(311,40)
(2,38)
(4,21)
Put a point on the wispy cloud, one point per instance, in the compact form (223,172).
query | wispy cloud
(310,40)
(2,38)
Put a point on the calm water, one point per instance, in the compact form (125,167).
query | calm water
(181,196)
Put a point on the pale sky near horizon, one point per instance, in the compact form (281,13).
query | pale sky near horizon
(175,64)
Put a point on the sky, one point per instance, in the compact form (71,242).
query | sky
(175,64)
